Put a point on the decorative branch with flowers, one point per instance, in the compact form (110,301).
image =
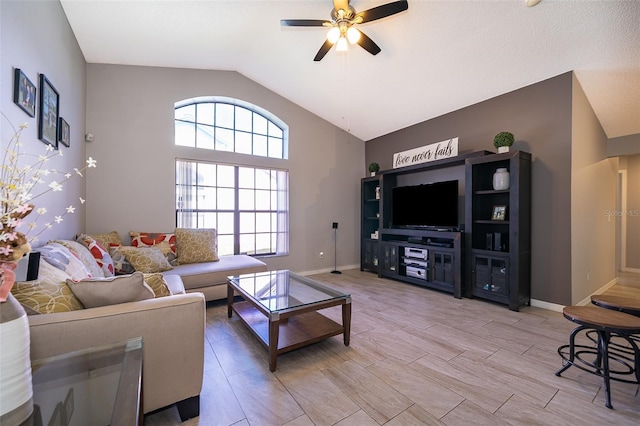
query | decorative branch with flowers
(24,178)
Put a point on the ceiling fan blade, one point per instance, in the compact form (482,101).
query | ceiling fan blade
(368,44)
(380,12)
(304,22)
(323,50)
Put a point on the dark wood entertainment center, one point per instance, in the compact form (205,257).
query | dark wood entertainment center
(458,261)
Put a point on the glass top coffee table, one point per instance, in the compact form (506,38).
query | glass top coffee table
(281,309)
(93,386)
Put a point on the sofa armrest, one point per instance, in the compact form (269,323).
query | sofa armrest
(172,330)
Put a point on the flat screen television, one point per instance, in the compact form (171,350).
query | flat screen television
(431,205)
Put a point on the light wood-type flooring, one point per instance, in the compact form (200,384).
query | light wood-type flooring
(417,357)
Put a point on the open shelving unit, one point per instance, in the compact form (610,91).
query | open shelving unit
(499,251)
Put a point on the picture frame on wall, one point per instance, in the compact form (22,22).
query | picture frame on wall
(49,112)
(499,213)
(24,92)
(64,130)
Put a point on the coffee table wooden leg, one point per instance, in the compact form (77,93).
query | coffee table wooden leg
(229,300)
(274,329)
(346,322)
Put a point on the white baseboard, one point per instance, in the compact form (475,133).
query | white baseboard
(546,305)
(325,270)
(634,270)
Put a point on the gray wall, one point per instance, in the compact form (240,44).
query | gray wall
(36,37)
(624,145)
(130,111)
(593,193)
(540,118)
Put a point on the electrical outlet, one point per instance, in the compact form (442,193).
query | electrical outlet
(321,254)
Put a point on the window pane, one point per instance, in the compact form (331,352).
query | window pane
(205,137)
(263,200)
(259,124)
(263,222)
(260,145)
(246,177)
(226,176)
(245,199)
(247,243)
(263,179)
(224,115)
(226,199)
(206,174)
(224,139)
(247,223)
(275,130)
(225,245)
(185,134)
(275,147)
(206,198)
(186,113)
(243,119)
(226,224)
(206,113)
(207,220)
(243,143)
(263,244)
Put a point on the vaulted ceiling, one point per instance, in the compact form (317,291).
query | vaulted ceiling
(437,57)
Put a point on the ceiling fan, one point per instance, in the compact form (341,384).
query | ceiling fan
(343,25)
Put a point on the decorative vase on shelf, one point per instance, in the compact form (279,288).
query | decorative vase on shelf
(502,149)
(501,179)
(16,391)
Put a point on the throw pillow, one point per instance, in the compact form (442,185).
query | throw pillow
(146,259)
(157,284)
(120,263)
(101,256)
(84,255)
(48,294)
(110,239)
(63,259)
(196,245)
(163,241)
(111,291)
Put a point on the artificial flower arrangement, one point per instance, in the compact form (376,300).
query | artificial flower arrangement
(23,178)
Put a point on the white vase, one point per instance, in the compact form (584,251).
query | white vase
(16,391)
(502,149)
(501,179)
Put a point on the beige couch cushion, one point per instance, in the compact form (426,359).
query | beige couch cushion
(111,291)
(198,275)
(196,245)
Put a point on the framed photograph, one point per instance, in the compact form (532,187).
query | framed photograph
(499,213)
(24,92)
(64,131)
(49,111)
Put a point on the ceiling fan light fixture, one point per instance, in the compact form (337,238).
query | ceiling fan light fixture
(333,35)
(342,45)
(353,35)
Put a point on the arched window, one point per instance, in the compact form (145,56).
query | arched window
(225,124)
(247,205)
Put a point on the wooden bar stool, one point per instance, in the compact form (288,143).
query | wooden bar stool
(629,305)
(606,323)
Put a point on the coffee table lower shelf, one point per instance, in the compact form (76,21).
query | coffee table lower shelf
(293,332)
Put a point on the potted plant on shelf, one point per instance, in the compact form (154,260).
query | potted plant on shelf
(503,141)
(373,168)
